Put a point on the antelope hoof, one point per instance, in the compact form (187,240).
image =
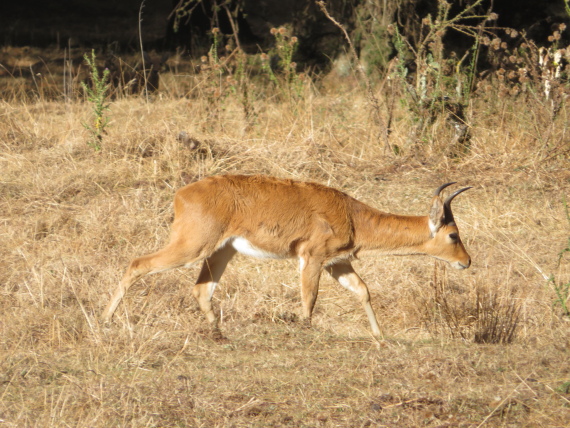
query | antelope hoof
(217,336)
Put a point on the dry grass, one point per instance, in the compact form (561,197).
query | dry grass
(71,218)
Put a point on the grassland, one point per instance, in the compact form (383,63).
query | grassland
(71,218)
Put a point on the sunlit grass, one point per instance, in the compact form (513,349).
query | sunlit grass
(71,218)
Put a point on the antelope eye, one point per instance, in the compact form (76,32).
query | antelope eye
(454,237)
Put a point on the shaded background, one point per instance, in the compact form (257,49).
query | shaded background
(98,24)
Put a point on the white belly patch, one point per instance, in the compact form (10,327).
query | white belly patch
(243,246)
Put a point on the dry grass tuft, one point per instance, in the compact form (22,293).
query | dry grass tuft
(497,321)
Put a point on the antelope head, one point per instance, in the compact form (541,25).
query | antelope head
(445,243)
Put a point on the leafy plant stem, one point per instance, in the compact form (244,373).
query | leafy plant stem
(96,95)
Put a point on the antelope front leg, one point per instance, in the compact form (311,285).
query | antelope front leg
(310,276)
(344,273)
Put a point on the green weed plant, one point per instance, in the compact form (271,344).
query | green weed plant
(97,96)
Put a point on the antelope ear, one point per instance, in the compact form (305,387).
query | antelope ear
(436,215)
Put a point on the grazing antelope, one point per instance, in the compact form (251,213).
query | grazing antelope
(268,217)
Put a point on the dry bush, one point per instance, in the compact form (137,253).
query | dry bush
(497,320)
(488,314)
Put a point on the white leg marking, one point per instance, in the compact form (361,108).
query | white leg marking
(211,288)
(345,282)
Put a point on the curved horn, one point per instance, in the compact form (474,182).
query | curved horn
(440,188)
(454,194)
(447,204)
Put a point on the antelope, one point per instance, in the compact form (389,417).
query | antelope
(267,217)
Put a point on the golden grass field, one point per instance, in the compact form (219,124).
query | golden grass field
(71,218)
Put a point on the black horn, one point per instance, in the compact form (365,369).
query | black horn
(440,188)
(447,204)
